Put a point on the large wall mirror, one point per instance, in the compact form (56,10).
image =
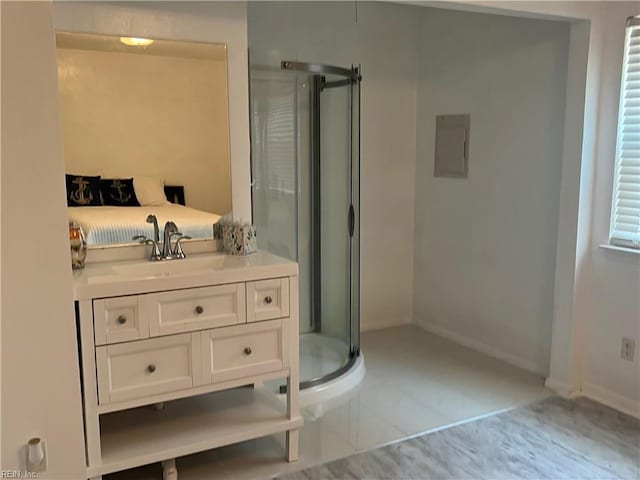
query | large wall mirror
(146,131)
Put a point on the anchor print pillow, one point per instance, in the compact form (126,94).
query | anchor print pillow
(83,191)
(118,192)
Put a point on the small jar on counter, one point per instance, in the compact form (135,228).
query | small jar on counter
(78,246)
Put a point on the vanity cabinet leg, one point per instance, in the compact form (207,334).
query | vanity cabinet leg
(293,380)
(292,445)
(169,470)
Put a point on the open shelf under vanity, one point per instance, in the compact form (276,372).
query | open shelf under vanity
(148,434)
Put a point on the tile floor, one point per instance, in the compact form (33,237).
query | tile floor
(415,382)
(553,438)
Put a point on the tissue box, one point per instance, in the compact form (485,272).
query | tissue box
(239,239)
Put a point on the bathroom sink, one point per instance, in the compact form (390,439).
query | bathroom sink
(170,267)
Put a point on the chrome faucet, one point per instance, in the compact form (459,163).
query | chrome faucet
(170,232)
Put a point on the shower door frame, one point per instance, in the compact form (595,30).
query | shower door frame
(352,79)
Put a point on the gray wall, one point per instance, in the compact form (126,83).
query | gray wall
(485,246)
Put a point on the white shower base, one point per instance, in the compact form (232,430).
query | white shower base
(321,355)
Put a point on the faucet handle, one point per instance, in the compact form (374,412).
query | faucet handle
(177,251)
(171,251)
(155,252)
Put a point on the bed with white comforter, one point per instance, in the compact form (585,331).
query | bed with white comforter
(116,225)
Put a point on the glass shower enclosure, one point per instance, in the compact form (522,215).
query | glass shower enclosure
(305,161)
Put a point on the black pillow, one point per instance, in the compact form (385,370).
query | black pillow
(83,191)
(118,192)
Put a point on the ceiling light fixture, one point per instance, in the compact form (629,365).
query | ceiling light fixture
(136,41)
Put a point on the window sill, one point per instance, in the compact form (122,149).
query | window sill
(620,249)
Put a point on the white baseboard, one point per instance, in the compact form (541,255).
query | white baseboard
(561,388)
(611,399)
(483,348)
(365,327)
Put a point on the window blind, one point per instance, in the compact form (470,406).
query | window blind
(281,146)
(274,128)
(625,207)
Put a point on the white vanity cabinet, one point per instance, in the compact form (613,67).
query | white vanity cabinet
(197,341)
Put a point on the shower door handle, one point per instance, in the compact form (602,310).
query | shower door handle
(352,220)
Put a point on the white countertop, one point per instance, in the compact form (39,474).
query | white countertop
(134,277)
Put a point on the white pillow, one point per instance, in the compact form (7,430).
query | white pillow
(149,190)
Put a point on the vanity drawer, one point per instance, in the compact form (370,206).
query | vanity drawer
(148,367)
(119,320)
(267,299)
(196,309)
(242,351)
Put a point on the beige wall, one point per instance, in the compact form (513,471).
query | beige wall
(126,114)
(40,377)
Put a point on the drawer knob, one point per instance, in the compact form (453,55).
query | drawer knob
(247,351)
(199,309)
(122,319)
(151,368)
(268,300)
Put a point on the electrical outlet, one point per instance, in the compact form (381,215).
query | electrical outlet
(628,350)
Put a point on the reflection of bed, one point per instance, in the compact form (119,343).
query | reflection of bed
(110,225)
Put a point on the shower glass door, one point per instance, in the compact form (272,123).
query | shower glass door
(305,169)
(333,175)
